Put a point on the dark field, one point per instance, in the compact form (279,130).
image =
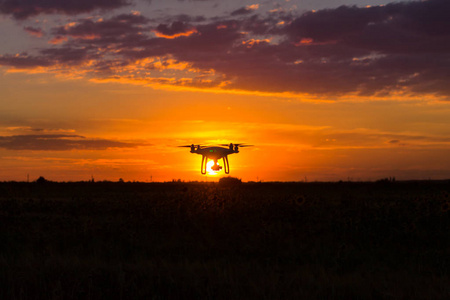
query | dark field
(204,241)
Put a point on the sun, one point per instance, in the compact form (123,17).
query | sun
(209,169)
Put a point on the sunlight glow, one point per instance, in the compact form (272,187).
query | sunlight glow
(209,169)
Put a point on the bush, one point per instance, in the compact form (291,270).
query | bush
(41,180)
(229,181)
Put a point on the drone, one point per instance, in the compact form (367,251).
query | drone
(215,153)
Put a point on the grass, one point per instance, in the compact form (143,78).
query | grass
(200,240)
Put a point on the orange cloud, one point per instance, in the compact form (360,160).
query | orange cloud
(250,43)
(176,35)
(58,40)
(87,36)
(310,42)
(37,32)
(253,6)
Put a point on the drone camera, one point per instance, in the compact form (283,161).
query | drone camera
(216,168)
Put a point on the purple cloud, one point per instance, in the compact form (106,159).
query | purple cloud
(60,142)
(381,50)
(37,32)
(22,9)
(175,29)
(24,61)
(95,33)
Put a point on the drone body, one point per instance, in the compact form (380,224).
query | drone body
(215,154)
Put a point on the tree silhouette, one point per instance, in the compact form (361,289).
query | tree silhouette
(41,180)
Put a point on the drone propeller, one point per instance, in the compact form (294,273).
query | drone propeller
(239,145)
(189,146)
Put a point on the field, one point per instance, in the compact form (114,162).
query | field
(177,240)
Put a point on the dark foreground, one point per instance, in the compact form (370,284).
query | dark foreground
(203,241)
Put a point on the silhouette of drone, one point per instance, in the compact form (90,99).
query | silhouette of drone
(215,153)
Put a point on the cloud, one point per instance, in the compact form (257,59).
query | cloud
(40,130)
(68,55)
(60,142)
(323,137)
(24,60)
(393,28)
(400,49)
(22,9)
(58,40)
(176,29)
(245,10)
(114,27)
(37,32)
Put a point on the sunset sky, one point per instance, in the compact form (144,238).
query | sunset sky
(323,89)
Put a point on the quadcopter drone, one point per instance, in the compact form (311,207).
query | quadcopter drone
(215,153)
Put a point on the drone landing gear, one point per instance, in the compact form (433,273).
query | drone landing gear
(216,166)
(226,165)
(204,164)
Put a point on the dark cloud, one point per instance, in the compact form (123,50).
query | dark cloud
(115,27)
(381,50)
(242,11)
(391,28)
(37,32)
(68,55)
(174,29)
(22,9)
(211,38)
(24,61)
(187,19)
(59,142)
